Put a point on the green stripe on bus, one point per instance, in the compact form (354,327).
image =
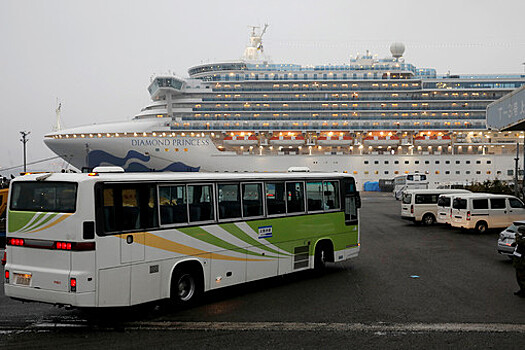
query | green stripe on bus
(17,220)
(202,235)
(234,230)
(39,222)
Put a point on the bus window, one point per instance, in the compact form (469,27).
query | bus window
(200,203)
(229,201)
(44,196)
(252,204)
(275,198)
(331,195)
(295,197)
(173,205)
(350,210)
(314,193)
(129,207)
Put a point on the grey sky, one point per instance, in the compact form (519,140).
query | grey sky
(97,57)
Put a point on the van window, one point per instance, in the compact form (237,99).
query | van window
(480,204)
(459,203)
(497,203)
(407,198)
(444,201)
(515,203)
(430,198)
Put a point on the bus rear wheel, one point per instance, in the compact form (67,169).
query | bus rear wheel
(323,254)
(185,287)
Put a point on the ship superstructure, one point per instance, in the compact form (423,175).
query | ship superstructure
(371,117)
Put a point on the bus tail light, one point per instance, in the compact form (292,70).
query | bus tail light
(63,245)
(73,284)
(16,241)
(6,276)
(468,215)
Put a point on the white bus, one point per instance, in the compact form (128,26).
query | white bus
(121,239)
(410,181)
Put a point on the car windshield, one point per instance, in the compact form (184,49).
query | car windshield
(407,198)
(513,228)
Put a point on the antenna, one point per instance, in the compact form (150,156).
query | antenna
(58,124)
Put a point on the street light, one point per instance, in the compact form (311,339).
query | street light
(24,140)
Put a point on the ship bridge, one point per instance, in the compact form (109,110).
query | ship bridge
(161,85)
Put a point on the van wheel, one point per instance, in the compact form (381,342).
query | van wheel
(481,227)
(428,219)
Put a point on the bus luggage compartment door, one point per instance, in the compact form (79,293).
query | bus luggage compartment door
(132,247)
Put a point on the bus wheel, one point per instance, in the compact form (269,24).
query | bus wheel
(481,227)
(323,254)
(185,287)
(428,219)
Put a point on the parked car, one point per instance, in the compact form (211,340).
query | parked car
(482,211)
(420,206)
(507,239)
(444,207)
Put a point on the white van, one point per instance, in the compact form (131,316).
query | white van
(444,207)
(421,205)
(481,211)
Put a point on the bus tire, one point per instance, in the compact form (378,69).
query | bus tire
(323,253)
(186,286)
(428,219)
(481,227)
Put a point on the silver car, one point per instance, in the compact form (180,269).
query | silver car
(507,241)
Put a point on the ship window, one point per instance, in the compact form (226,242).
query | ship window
(467,172)
(366,161)
(386,161)
(458,172)
(386,172)
(478,172)
(468,161)
(407,162)
(447,161)
(436,162)
(416,162)
(427,162)
(458,162)
(489,161)
(478,161)
(447,172)
(376,162)
(396,161)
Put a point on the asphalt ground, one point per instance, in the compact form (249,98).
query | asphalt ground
(411,287)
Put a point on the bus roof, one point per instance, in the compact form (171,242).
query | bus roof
(177,176)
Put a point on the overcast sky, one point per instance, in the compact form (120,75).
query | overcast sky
(97,57)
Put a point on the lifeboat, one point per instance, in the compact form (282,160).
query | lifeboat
(241,140)
(381,140)
(334,140)
(287,140)
(432,140)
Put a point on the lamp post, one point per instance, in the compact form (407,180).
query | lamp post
(24,140)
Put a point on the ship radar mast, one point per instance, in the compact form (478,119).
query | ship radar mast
(58,123)
(255,47)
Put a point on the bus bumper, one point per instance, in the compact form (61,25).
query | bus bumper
(49,296)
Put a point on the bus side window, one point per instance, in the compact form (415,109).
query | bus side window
(252,204)
(229,201)
(295,197)
(130,215)
(314,195)
(275,198)
(173,205)
(200,199)
(109,210)
(350,210)
(331,195)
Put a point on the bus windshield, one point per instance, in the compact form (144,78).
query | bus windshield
(44,196)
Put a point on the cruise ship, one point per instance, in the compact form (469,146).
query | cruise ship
(372,117)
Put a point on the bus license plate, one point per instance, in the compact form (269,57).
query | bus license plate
(22,279)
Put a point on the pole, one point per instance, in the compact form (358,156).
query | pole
(24,140)
(516,170)
(523,177)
